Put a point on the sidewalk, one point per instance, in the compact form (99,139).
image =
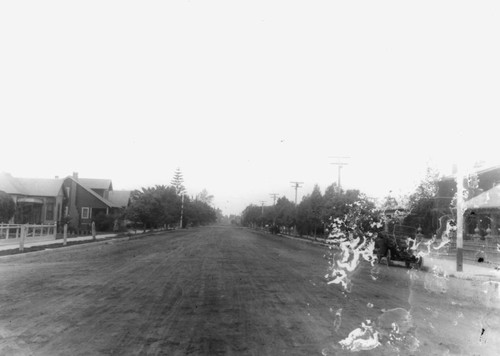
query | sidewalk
(13,244)
(446,263)
(471,270)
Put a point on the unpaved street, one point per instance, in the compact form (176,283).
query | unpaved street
(216,291)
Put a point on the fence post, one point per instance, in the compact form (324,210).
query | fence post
(93,230)
(23,235)
(17,231)
(65,234)
(7,233)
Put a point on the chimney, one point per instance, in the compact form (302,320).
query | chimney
(75,175)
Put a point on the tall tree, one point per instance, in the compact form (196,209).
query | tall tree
(421,204)
(7,207)
(178,182)
(317,208)
(285,213)
(204,197)
(310,213)
(197,213)
(154,206)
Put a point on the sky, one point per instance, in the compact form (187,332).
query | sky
(246,97)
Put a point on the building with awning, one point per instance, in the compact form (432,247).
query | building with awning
(482,213)
(482,209)
(38,200)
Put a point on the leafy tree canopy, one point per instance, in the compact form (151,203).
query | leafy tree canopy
(7,207)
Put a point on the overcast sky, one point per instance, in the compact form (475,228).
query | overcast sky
(245,97)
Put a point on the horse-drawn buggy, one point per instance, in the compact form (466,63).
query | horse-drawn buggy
(397,247)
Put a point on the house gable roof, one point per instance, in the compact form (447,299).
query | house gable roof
(41,187)
(120,198)
(44,187)
(90,191)
(95,183)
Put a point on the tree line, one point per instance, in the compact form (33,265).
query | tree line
(161,205)
(313,215)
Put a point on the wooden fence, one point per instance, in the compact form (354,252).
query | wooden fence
(14,231)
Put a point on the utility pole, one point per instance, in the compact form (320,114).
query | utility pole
(460,219)
(296,185)
(182,210)
(340,164)
(262,214)
(262,204)
(274,195)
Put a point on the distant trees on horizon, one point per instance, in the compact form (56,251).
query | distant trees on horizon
(312,216)
(155,207)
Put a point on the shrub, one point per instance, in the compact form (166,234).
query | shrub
(104,222)
(7,207)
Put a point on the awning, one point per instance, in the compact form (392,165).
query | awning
(489,199)
(30,200)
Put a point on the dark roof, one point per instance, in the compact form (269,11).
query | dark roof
(95,183)
(119,198)
(43,187)
(89,190)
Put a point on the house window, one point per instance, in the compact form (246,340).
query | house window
(85,213)
(49,213)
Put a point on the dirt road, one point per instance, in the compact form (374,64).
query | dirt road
(214,291)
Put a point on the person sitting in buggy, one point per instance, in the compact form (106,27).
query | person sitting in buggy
(388,247)
(384,246)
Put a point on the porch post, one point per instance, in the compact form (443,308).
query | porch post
(494,225)
(93,230)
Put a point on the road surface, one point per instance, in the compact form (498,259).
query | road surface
(226,291)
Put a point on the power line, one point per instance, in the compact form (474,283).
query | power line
(296,185)
(274,195)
